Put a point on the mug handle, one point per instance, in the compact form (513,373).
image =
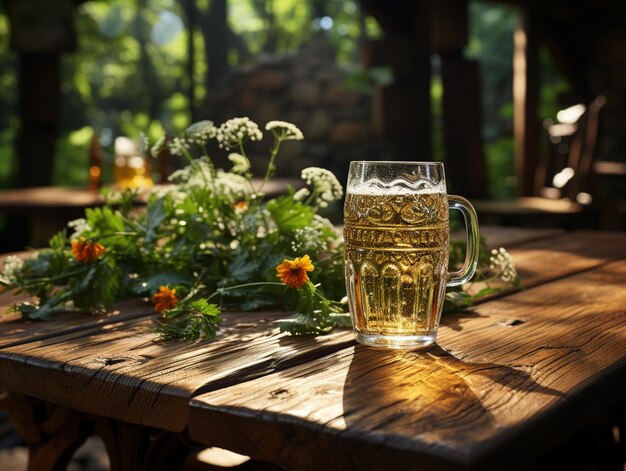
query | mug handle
(459,203)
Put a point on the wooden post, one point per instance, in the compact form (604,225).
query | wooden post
(462,121)
(526,100)
(401,110)
(40,31)
(39,105)
(462,114)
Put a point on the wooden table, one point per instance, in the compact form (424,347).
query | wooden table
(511,380)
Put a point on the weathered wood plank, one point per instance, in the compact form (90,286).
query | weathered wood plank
(541,257)
(507,237)
(120,370)
(507,383)
(15,331)
(544,260)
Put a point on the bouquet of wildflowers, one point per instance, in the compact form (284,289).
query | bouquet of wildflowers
(207,240)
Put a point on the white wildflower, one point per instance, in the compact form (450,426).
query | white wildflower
(178,146)
(237,130)
(317,237)
(284,131)
(79,226)
(158,147)
(322,224)
(113,197)
(171,192)
(241,164)
(301,194)
(197,173)
(144,143)
(326,187)
(502,261)
(234,186)
(12,266)
(309,240)
(200,132)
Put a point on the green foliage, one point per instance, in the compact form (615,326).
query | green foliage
(211,234)
(314,313)
(190,321)
(501,168)
(495,273)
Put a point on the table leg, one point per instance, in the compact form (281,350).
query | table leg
(134,447)
(53,433)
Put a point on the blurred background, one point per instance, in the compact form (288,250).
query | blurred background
(478,85)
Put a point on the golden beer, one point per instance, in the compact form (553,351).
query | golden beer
(396,235)
(396,253)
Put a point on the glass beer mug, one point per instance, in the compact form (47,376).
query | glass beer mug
(396,232)
(130,169)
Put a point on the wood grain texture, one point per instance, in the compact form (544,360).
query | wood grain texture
(500,236)
(16,331)
(507,382)
(549,259)
(122,371)
(116,368)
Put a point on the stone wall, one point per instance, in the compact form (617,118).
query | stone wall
(307,89)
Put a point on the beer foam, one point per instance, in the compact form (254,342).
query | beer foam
(399,186)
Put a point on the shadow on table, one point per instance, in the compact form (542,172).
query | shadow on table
(427,396)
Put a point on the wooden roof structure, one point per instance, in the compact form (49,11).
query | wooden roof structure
(587,40)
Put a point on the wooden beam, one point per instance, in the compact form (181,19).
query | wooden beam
(526,100)
(401,112)
(39,110)
(462,121)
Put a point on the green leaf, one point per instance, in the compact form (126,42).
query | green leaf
(154,218)
(288,214)
(341,319)
(151,283)
(46,310)
(197,319)
(104,221)
(59,241)
(242,269)
(300,324)
(487,292)
(205,308)
(456,300)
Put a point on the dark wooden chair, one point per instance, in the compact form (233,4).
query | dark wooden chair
(564,192)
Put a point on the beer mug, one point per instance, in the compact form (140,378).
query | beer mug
(396,232)
(131,169)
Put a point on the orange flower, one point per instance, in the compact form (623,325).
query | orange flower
(165,299)
(293,272)
(241,205)
(85,252)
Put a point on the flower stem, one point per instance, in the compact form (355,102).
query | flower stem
(244,285)
(271,166)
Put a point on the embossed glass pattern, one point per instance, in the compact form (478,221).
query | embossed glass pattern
(396,233)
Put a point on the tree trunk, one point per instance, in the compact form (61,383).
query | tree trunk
(215,33)
(191,14)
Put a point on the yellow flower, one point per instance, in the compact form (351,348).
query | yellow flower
(294,272)
(85,252)
(164,299)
